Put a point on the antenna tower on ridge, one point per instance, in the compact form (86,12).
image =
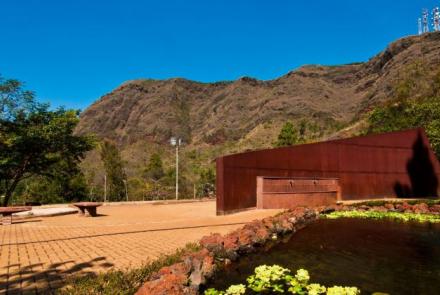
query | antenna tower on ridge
(436,19)
(419,23)
(425,16)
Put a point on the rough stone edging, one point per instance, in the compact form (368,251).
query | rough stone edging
(196,268)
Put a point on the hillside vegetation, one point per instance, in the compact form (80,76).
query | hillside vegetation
(213,119)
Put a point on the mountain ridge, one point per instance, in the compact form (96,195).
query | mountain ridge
(217,112)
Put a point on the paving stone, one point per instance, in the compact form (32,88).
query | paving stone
(38,254)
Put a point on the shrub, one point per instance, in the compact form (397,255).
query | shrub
(431,218)
(123,282)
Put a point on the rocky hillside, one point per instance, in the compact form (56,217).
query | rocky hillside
(213,113)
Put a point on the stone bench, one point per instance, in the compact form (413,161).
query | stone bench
(7,212)
(87,209)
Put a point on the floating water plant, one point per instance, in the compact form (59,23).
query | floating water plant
(279,280)
(431,218)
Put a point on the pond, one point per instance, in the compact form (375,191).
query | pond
(373,255)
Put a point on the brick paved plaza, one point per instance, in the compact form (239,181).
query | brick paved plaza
(37,254)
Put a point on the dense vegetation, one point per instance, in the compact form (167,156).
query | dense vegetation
(38,151)
(41,159)
(278,280)
(288,135)
(416,103)
(372,203)
(431,218)
(147,172)
(115,177)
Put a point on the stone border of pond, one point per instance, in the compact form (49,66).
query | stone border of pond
(195,269)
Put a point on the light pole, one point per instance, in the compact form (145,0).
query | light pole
(126,190)
(176,142)
(105,188)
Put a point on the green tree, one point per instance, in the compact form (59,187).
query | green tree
(288,135)
(302,130)
(114,169)
(407,114)
(168,183)
(206,183)
(57,189)
(154,169)
(34,139)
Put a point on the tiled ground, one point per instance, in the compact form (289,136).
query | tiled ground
(37,254)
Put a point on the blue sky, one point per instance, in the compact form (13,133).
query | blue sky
(73,52)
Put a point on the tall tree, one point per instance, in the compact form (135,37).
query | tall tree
(288,135)
(154,169)
(114,169)
(407,114)
(302,130)
(34,139)
(206,183)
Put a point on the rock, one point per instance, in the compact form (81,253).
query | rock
(202,267)
(363,208)
(261,235)
(420,208)
(246,237)
(406,207)
(293,220)
(310,215)
(170,284)
(379,209)
(176,269)
(327,210)
(434,209)
(347,208)
(187,276)
(398,208)
(212,241)
(269,224)
(231,241)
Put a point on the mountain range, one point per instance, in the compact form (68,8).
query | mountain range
(329,97)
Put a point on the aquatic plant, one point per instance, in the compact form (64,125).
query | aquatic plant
(431,218)
(338,290)
(276,279)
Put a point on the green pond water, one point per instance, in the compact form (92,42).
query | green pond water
(374,255)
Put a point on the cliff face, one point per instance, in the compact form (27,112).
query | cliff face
(212,113)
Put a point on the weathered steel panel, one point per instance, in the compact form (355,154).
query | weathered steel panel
(289,192)
(390,164)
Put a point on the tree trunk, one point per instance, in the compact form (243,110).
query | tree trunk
(8,195)
(15,180)
(9,192)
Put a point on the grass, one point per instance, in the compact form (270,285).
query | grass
(429,202)
(123,281)
(430,218)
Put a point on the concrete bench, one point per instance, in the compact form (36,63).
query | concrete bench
(7,212)
(87,209)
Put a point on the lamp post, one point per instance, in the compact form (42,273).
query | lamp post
(105,188)
(176,142)
(126,190)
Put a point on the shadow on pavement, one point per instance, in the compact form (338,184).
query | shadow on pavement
(126,232)
(34,279)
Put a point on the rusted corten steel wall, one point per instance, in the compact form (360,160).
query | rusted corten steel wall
(382,165)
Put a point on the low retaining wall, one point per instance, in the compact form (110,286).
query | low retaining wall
(195,269)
